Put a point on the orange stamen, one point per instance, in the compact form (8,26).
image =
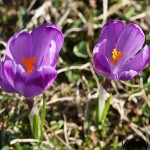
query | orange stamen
(116,56)
(28,62)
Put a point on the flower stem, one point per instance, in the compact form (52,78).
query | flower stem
(30,103)
(43,114)
(104,100)
(106,84)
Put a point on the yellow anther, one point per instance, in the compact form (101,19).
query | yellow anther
(28,62)
(115,56)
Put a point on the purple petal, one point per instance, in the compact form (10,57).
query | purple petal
(139,62)
(50,56)
(10,71)
(14,74)
(39,81)
(19,46)
(136,64)
(114,76)
(29,85)
(7,86)
(42,38)
(127,75)
(130,41)
(100,47)
(111,31)
(1,71)
(101,65)
(5,83)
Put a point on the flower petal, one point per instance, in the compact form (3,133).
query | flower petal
(111,31)
(10,71)
(7,86)
(130,41)
(1,71)
(50,56)
(39,81)
(101,65)
(127,75)
(100,47)
(14,75)
(5,83)
(42,37)
(139,62)
(29,85)
(19,46)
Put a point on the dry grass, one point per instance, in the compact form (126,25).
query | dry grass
(71,101)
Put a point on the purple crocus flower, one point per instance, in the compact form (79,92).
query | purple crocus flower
(117,55)
(30,60)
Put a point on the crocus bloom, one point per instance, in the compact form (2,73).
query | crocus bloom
(30,60)
(117,56)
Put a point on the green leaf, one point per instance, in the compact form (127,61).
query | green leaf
(148,39)
(130,12)
(118,148)
(73,75)
(58,3)
(91,84)
(23,17)
(36,126)
(107,106)
(146,110)
(56,125)
(60,123)
(80,50)
(5,148)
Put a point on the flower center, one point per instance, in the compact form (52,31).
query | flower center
(28,62)
(115,56)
